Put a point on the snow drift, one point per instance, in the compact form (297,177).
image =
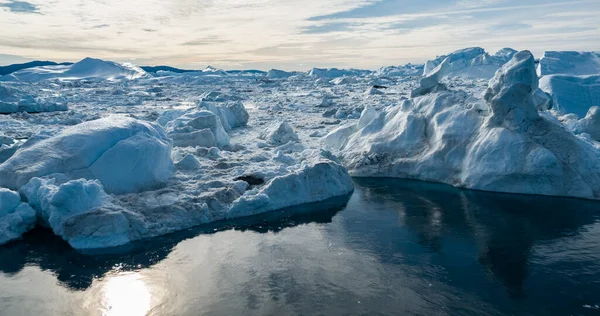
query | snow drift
(441,136)
(125,154)
(88,68)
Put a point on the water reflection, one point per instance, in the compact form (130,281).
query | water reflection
(398,247)
(504,227)
(77,270)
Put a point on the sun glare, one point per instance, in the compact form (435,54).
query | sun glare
(126,295)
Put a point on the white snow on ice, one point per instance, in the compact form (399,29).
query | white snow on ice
(139,155)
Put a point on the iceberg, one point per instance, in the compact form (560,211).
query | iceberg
(442,136)
(88,68)
(125,154)
(468,63)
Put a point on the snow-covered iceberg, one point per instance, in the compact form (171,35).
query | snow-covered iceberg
(125,154)
(445,136)
(88,68)
(569,63)
(469,63)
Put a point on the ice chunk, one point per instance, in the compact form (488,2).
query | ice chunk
(16,217)
(279,134)
(83,214)
(590,124)
(373,91)
(317,181)
(189,162)
(198,128)
(232,115)
(125,154)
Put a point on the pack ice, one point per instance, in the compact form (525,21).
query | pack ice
(504,145)
(14,99)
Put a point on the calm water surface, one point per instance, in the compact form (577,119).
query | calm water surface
(397,247)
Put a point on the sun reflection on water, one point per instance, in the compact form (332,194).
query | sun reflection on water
(126,295)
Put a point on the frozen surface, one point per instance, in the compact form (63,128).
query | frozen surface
(444,136)
(88,68)
(569,63)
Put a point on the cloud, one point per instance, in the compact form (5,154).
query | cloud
(209,40)
(341,33)
(20,6)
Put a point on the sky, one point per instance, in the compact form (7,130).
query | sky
(288,34)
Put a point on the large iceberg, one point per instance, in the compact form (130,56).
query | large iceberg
(87,218)
(125,154)
(88,68)
(445,136)
(469,63)
(569,63)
